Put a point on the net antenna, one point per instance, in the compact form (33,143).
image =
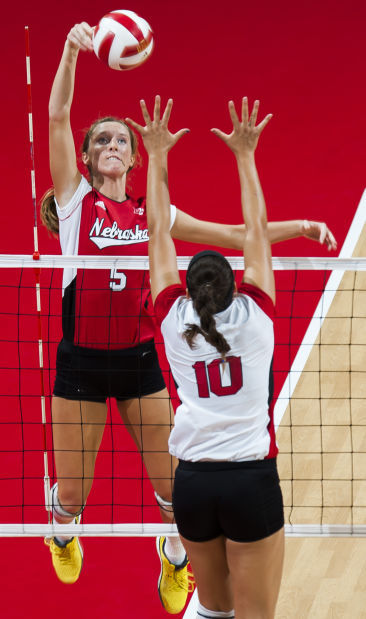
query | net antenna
(37,273)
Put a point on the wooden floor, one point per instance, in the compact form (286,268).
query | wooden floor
(324,578)
(322,435)
(322,464)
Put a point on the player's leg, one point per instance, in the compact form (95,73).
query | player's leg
(212,576)
(256,572)
(77,433)
(149,421)
(78,418)
(77,428)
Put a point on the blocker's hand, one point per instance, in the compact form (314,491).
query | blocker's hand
(156,136)
(245,134)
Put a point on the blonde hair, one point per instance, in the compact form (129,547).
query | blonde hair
(48,212)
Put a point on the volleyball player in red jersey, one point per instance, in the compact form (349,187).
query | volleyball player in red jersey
(219,343)
(107,348)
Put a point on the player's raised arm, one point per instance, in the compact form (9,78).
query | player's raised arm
(63,164)
(188,228)
(243,141)
(158,141)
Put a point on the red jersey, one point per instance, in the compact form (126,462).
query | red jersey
(105,309)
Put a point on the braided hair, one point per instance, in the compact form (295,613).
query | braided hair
(210,283)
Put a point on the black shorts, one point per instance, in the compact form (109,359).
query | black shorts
(240,500)
(95,375)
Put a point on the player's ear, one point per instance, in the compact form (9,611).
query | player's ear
(85,158)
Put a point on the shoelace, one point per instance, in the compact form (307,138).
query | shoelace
(185,581)
(64,553)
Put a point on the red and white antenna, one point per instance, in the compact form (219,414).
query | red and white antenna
(37,273)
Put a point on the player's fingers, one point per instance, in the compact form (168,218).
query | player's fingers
(233,115)
(167,112)
(135,125)
(322,233)
(75,39)
(177,136)
(145,113)
(264,123)
(88,30)
(80,36)
(331,240)
(220,134)
(157,109)
(244,111)
(254,114)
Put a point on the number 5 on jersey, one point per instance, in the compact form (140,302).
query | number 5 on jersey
(118,280)
(210,378)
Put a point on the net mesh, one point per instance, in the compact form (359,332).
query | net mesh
(320,388)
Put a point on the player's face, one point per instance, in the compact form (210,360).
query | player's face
(109,152)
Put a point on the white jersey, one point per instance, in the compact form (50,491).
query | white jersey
(225,411)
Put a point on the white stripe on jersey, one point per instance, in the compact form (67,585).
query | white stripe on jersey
(69,227)
(224,406)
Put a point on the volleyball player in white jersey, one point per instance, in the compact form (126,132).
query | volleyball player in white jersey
(219,343)
(100,355)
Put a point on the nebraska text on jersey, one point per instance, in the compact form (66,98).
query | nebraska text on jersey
(105,308)
(103,235)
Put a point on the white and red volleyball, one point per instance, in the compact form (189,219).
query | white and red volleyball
(123,40)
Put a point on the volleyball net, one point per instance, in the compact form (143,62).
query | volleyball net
(320,390)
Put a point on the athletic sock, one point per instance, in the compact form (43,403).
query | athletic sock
(60,518)
(61,539)
(205,613)
(174,550)
(62,542)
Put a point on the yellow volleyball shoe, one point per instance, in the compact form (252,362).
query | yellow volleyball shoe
(67,560)
(175,582)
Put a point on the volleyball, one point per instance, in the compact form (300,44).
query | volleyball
(123,40)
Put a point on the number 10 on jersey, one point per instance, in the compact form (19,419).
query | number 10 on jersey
(210,376)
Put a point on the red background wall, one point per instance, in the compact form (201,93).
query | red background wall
(304,61)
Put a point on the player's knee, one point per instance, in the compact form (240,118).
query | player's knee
(165,503)
(67,501)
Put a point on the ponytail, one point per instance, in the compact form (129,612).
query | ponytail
(49,215)
(205,306)
(210,283)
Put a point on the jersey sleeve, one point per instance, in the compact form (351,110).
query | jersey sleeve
(173,214)
(165,300)
(69,217)
(261,298)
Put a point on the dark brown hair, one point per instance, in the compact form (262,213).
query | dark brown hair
(210,283)
(48,211)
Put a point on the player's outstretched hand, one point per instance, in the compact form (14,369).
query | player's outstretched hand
(156,136)
(319,231)
(245,134)
(80,37)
